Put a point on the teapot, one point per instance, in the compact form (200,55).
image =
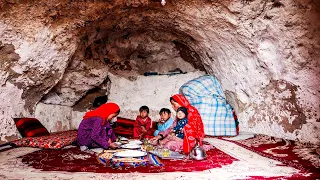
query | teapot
(198,153)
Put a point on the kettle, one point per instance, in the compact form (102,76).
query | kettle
(198,153)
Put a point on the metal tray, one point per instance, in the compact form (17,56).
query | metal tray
(173,155)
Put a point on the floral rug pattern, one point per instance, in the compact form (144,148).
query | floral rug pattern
(261,157)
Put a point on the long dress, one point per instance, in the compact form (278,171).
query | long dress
(174,143)
(95,130)
(92,133)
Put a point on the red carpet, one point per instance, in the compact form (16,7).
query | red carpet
(304,157)
(73,160)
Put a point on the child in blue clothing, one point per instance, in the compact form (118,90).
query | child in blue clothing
(165,120)
(182,120)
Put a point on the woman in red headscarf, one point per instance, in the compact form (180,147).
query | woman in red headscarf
(95,130)
(193,130)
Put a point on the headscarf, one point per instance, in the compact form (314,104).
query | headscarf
(103,111)
(194,129)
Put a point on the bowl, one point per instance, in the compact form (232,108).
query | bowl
(124,139)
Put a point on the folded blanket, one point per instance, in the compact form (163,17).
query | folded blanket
(205,93)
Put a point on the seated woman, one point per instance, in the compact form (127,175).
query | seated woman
(95,131)
(193,130)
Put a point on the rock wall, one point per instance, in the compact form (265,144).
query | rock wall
(54,117)
(152,91)
(30,68)
(280,86)
(59,53)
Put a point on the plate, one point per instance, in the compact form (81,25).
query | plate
(130,153)
(135,142)
(131,146)
(124,139)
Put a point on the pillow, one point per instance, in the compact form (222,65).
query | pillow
(30,127)
(124,122)
(124,127)
(154,125)
(56,140)
(236,121)
(121,131)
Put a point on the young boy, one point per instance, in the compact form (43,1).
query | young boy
(142,125)
(165,121)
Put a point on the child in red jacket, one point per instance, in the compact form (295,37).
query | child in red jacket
(142,126)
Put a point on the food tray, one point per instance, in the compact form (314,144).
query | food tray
(108,159)
(173,155)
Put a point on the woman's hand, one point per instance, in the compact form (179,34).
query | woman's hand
(113,145)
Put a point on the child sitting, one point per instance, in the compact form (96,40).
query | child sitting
(142,125)
(165,121)
(174,140)
(182,120)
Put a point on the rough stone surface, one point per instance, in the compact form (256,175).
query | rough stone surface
(56,118)
(76,119)
(12,106)
(152,91)
(265,53)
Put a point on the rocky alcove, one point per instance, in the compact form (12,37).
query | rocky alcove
(57,56)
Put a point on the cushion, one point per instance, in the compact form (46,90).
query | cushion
(124,122)
(30,127)
(53,141)
(124,127)
(154,125)
(236,121)
(121,131)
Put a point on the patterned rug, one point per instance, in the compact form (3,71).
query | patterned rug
(302,156)
(73,160)
(261,157)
